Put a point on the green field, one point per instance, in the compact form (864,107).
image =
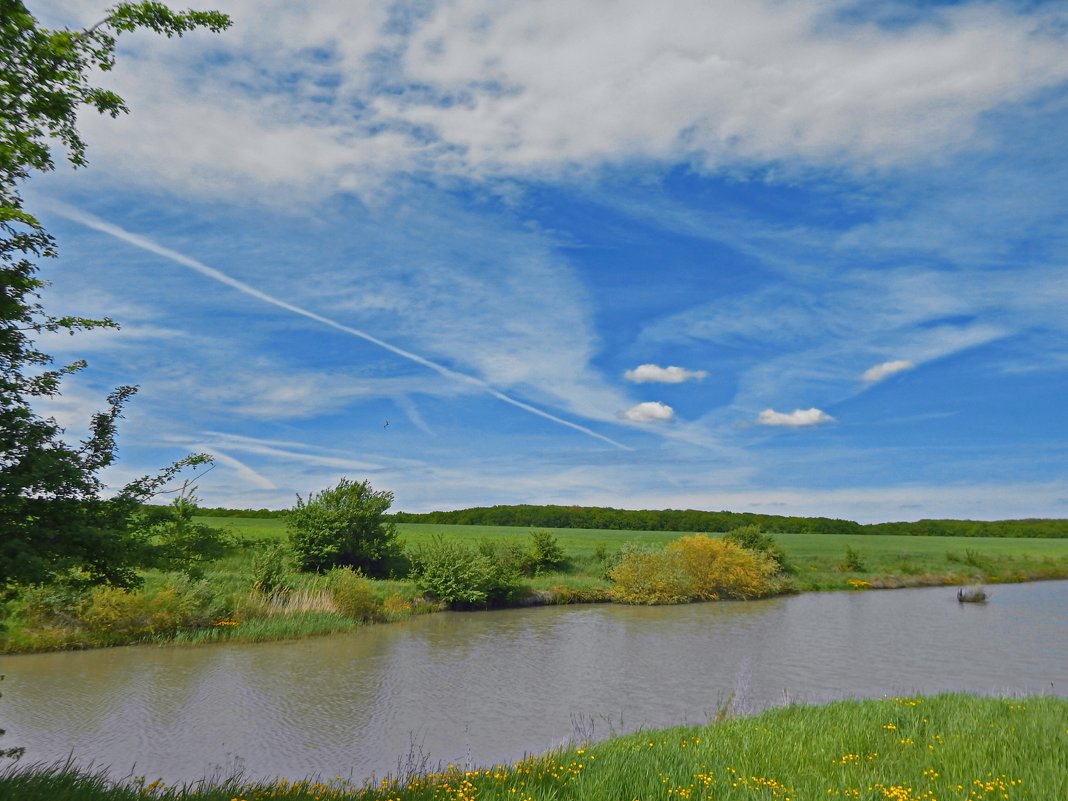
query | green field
(583,541)
(889,560)
(941,748)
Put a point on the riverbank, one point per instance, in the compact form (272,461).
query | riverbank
(951,747)
(222,606)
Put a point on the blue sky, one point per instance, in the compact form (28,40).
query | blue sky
(790,257)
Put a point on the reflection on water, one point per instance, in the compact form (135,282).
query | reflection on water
(489,687)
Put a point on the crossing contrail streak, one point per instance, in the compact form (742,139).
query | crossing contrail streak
(144,243)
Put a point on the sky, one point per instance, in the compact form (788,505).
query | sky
(785,257)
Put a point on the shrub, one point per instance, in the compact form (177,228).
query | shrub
(123,614)
(510,555)
(56,603)
(719,568)
(460,576)
(645,575)
(697,567)
(175,542)
(344,526)
(544,552)
(752,538)
(352,594)
(852,562)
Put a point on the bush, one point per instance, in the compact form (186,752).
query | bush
(124,614)
(852,562)
(752,538)
(691,568)
(352,593)
(718,568)
(344,526)
(175,542)
(55,604)
(649,576)
(460,576)
(544,553)
(510,555)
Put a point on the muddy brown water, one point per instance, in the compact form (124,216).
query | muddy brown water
(487,687)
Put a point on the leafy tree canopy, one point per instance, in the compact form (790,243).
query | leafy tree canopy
(52,516)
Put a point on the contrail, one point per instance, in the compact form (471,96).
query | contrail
(138,241)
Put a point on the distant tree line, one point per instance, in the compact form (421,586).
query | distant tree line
(696,520)
(1031,527)
(218,511)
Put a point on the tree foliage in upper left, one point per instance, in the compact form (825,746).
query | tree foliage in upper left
(53,515)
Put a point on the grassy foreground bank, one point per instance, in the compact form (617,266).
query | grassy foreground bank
(940,748)
(223,605)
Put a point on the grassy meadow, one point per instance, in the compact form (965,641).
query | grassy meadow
(940,748)
(818,559)
(222,604)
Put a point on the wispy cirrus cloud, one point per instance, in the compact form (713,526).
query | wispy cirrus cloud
(878,372)
(798,418)
(214,274)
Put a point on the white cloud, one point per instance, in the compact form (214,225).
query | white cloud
(665,375)
(885,370)
(798,418)
(649,411)
(559,82)
(335,96)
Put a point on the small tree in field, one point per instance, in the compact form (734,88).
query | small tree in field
(344,525)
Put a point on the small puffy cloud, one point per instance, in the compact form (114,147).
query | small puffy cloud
(798,418)
(649,411)
(644,373)
(886,369)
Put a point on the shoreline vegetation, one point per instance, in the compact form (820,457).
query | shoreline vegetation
(255,592)
(951,747)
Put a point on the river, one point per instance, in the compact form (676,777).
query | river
(486,687)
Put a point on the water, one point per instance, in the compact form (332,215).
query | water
(490,687)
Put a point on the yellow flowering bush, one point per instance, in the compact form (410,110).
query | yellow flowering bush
(644,576)
(697,567)
(719,568)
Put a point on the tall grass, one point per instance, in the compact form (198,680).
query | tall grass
(941,748)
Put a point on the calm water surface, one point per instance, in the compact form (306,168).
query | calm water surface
(489,687)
